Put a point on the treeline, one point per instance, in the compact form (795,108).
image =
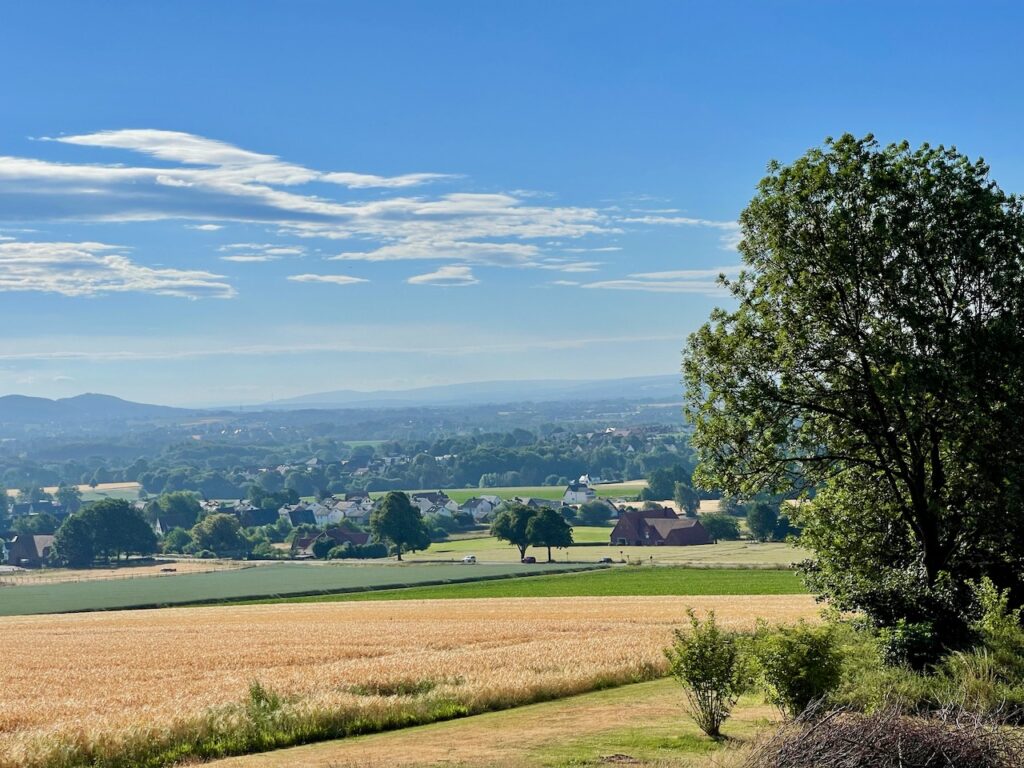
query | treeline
(310,466)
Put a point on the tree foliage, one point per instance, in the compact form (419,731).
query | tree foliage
(706,661)
(221,534)
(549,529)
(110,527)
(686,498)
(876,354)
(511,524)
(762,518)
(720,527)
(400,524)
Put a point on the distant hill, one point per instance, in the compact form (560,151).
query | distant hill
(656,388)
(22,410)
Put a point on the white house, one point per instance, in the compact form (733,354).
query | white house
(425,502)
(480,507)
(578,493)
(325,514)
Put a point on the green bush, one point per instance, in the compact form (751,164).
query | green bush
(797,665)
(706,661)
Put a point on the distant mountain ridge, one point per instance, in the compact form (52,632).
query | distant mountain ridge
(662,388)
(87,408)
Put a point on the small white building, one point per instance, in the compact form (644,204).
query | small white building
(578,493)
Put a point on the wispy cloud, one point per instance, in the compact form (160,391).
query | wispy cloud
(450,276)
(205,227)
(91,269)
(249,258)
(332,279)
(730,239)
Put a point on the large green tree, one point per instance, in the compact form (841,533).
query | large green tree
(398,523)
(548,529)
(875,352)
(220,534)
(511,524)
(73,544)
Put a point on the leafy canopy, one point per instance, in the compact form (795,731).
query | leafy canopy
(876,354)
(397,522)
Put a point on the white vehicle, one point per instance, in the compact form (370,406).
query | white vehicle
(469,559)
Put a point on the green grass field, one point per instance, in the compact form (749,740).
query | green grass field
(262,581)
(640,581)
(553,492)
(739,554)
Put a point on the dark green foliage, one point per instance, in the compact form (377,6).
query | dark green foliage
(798,665)
(549,529)
(43,523)
(397,522)
(322,547)
(593,513)
(510,525)
(876,355)
(720,527)
(686,498)
(73,544)
(762,518)
(220,534)
(706,661)
(176,540)
(111,527)
(661,483)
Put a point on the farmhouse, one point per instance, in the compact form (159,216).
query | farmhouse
(657,527)
(480,507)
(578,492)
(29,551)
(303,547)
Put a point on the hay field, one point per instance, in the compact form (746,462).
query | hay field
(136,683)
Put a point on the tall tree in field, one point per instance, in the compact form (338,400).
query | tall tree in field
(548,529)
(398,523)
(686,499)
(876,353)
(762,518)
(511,525)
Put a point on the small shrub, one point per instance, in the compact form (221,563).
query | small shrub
(797,665)
(406,687)
(706,662)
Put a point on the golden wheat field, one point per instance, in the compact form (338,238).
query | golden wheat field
(73,681)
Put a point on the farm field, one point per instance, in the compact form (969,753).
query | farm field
(553,492)
(665,580)
(741,554)
(183,676)
(258,581)
(29,577)
(641,723)
(128,491)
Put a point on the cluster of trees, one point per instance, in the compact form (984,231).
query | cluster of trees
(524,526)
(219,469)
(107,529)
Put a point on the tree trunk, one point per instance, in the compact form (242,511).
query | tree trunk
(522,550)
(399,553)
(549,554)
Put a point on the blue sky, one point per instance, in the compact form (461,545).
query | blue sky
(229,202)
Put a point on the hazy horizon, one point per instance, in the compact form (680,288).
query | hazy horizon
(379,197)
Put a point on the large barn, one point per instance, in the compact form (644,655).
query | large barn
(657,527)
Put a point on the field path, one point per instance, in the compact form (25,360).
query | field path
(643,722)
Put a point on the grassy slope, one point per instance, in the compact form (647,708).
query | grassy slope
(612,581)
(255,582)
(644,722)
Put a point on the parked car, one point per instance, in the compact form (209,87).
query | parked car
(469,560)
(529,559)
(606,560)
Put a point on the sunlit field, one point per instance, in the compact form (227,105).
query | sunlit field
(130,687)
(726,553)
